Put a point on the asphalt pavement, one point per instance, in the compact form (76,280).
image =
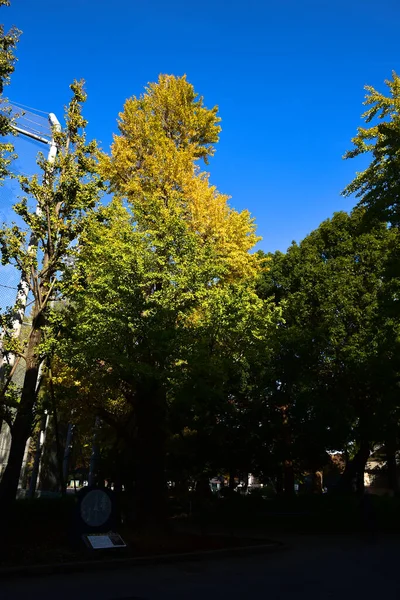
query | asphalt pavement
(340,567)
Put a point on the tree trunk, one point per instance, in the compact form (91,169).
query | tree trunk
(59,450)
(354,471)
(288,471)
(67,454)
(245,481)
(288,478)
(317,482)
(279,482)
(38,456)
(360,484)
(21,429)
(393,477)
(150,407)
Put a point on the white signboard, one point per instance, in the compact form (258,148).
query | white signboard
(105,541)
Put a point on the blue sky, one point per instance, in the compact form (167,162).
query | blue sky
(288,77)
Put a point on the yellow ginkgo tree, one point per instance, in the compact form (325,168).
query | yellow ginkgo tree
(156,271)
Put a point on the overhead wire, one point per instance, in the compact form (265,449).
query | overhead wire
(24,111)
(27,119)
(29,116)
(44,112)
(34,126)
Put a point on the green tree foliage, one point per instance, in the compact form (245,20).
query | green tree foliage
(8,43)
(198,356)
(335,362)
(378,186)
(163,285)
(68,188)
(194,340)
(378,189)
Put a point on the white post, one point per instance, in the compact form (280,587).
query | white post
(24,463)
(38,455)
(67,452)
(94,459)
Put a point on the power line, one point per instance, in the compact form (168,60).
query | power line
(44,112)
(22,111)
(29,120)
(41,130)
(33,122)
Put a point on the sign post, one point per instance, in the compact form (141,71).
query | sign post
(97,517)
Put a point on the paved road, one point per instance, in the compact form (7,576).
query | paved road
(339,567)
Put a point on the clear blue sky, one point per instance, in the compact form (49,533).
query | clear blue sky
(287,75)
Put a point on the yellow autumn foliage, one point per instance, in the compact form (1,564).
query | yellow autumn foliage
(154,165)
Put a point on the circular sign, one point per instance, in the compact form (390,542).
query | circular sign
(95,508)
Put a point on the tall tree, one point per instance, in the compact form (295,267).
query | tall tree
(67,189)
(378,189)
(335,367)
(151,262)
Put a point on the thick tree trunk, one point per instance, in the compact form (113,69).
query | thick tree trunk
(150,407)
(67,454)
(38,455)
(354,471)
(21,429)
(317,481)
(59,450)
(288,471)
(360,484)
(279,482)
(245,481)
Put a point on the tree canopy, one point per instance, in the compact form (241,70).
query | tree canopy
(157,325)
